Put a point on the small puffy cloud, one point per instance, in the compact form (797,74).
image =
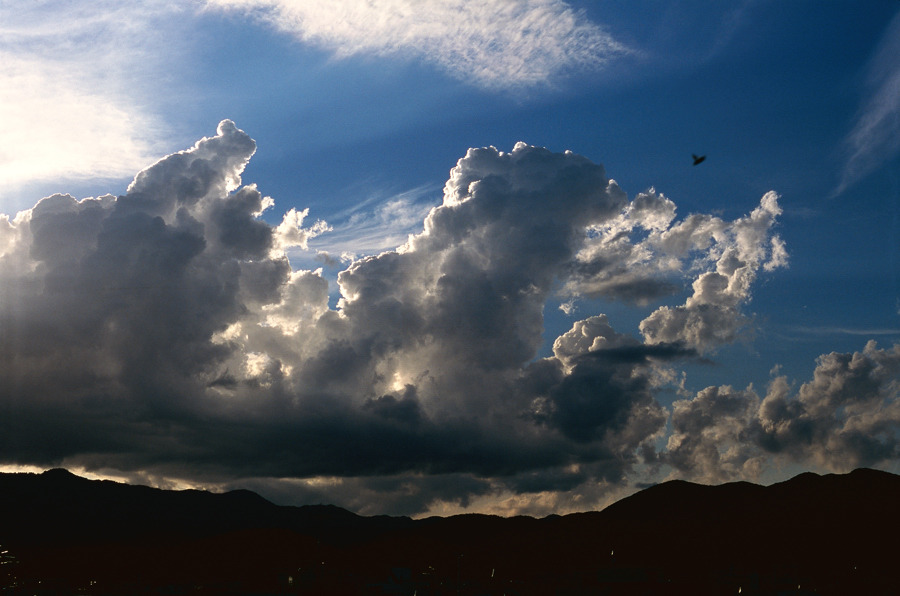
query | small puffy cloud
(642,254)
(589,335)
(499,44)
(290,232)
(615,262)
(734,254)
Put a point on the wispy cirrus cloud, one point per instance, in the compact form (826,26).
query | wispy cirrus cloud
(381,222)
(875,137)
(865,331)
(496,45)
(83,85)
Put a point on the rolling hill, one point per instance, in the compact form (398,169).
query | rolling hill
(831,534)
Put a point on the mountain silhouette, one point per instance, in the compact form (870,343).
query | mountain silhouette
(830,534)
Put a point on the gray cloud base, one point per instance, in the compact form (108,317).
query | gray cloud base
(164,335)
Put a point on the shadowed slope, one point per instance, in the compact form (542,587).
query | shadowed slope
(823,532)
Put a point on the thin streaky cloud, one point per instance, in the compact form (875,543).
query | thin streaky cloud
(846,331)
(378,223)
(412,195)
(875,137)
(496,45)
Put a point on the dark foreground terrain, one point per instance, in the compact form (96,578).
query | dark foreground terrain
(834,534)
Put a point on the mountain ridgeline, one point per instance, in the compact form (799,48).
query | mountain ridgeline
(832,534)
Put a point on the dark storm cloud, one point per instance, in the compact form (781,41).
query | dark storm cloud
(164,334)
(622,373)
(111,303)
(374,495)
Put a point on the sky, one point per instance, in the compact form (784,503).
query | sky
(433,257)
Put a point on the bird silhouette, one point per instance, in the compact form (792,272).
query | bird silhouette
(698,159)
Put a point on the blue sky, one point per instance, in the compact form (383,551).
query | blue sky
(359,111)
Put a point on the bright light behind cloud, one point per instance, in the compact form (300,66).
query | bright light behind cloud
(61,131)
(73,90)
(407,357)
(82,83)
(425,373)
(498,44)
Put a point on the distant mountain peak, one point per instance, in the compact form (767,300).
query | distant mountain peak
(59,473)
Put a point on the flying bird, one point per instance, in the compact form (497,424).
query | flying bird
(698,159)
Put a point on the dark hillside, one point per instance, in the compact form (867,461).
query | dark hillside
(826,534)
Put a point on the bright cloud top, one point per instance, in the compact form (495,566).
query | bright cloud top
(498,44)
(163,334)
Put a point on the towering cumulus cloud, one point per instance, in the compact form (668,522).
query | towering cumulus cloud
(164,333)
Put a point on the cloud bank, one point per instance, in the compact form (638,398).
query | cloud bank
(847,416)
(495,45)
(163,334)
